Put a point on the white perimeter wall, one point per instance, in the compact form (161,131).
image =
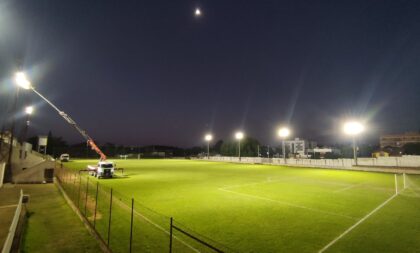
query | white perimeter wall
(401,162)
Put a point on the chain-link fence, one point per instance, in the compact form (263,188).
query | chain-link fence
(124,224)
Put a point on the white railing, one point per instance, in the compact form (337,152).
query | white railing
(2,167)
(9,240)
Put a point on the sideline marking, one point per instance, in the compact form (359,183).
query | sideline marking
(268,181)
(288,179)
(289,204)
(156,225)
(357,223)
(8,206)
(347,188)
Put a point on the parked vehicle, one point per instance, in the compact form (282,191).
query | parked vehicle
(104,169)
(64,157)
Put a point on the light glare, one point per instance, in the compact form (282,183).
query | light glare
(29,110)
(284,132)
(239,135)
(22,81)
(208,137)
(197,12)
(353,128)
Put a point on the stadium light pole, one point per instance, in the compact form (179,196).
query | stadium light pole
(239,136)
(283,133)
(353,128)
(28,111)
(8,171)
(208,138)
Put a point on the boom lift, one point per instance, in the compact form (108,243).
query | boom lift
(103,168)
(69,120)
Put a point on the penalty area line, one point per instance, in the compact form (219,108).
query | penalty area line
(357,224)
(285,203)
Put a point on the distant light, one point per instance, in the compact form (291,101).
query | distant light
(284,132)
(197,12)
(239,135)
(22,81)
(208,137)
(353,128)
(29,110)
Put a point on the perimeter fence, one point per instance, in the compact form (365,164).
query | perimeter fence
(124,224)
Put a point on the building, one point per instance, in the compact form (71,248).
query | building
(398,140)
(299,147)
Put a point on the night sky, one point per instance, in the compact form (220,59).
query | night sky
(150,72)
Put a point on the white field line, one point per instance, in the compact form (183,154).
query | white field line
(268,181)
(301,180)
(364,185)
(288,204)
(165,231)
(347,188)
(8,206)
(156,225)
(357,224)
(410,196)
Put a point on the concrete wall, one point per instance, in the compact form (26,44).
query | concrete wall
(333,163)
(34,174)
(27,165)
(407,164)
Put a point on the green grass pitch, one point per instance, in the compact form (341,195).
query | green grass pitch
(262,208)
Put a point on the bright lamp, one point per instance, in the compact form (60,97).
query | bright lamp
(22,81)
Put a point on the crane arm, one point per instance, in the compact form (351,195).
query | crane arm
(69,120)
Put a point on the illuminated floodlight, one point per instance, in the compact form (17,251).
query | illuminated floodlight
(22,81)
(29,110)
(353,128)
(197,12)
(208,137)
(239,135)
(284,132)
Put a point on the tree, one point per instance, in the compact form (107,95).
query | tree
(249,147)
(54,143)
(411,149)
(218,147)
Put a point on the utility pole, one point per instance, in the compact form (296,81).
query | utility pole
(8,171)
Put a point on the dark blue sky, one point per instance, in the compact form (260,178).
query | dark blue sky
(149,72)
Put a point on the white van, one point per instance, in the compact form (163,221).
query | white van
(64,157)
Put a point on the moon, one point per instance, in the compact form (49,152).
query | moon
(197,12)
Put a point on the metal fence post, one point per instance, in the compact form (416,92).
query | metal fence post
(96,204)
(131,228)
(170,237)
(109,222)
(78,195)
(74,187)
(87,191)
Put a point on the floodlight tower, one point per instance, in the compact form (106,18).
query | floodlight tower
(283,133)
(239,136)
(28,111)
(208,139)
(353,128)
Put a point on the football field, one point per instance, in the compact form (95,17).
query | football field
(264,208)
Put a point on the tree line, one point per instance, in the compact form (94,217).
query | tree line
(250,147)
